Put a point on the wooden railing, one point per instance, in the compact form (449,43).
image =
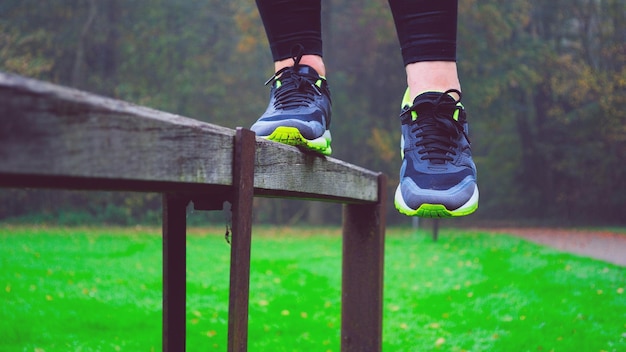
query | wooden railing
(57,137)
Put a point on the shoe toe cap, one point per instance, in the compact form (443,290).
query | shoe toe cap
(452,198)
(308,129)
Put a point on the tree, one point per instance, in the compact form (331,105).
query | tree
(544,84)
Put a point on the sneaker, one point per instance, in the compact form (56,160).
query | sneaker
(299,110)
(438,176)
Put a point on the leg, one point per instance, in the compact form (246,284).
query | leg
(427,34)
(288,23)
(299,110)
(428,76)
(438,175)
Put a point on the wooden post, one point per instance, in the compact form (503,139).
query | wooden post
(362,274)
(243,192)
(174,272)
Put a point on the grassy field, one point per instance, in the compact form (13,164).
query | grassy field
(99,289)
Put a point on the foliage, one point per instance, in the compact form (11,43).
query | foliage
(100,289)
(547,138)
(543,81)
(73,208)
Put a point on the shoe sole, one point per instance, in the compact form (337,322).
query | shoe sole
(292,136)
(427,210)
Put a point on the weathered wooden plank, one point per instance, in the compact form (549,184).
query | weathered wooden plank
(53,136)
(49,130)
(281,169)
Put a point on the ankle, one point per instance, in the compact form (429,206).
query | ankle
(314,61)
(432,76)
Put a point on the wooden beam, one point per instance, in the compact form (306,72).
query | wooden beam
(53,136)
(362,274)
(281,169)
(174,272)
(239,292)
(50,130)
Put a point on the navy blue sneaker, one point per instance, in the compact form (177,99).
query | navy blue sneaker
(299,109)
(438,175)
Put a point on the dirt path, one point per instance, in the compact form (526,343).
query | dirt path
(603,245)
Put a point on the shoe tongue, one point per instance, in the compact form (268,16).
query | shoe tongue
(425,103)
(431,98)
(306,70)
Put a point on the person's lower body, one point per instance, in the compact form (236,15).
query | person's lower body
(438,176)
(299,111)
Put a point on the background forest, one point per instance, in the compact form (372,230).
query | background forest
(544,84)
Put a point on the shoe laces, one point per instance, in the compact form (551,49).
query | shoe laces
(297,89)
(435,128)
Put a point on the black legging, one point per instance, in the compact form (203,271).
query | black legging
(426,28)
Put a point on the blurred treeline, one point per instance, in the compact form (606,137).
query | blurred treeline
(544,83)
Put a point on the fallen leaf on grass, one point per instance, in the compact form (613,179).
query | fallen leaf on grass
(440,341)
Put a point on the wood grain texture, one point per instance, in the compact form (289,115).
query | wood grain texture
(51,130)
(92,142)
(284,168)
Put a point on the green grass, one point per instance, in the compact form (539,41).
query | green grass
(99,289)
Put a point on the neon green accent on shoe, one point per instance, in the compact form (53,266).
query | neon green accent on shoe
(406,99)
(455,116)
(436,211)
(429,210)
(292,136)
(406,103)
